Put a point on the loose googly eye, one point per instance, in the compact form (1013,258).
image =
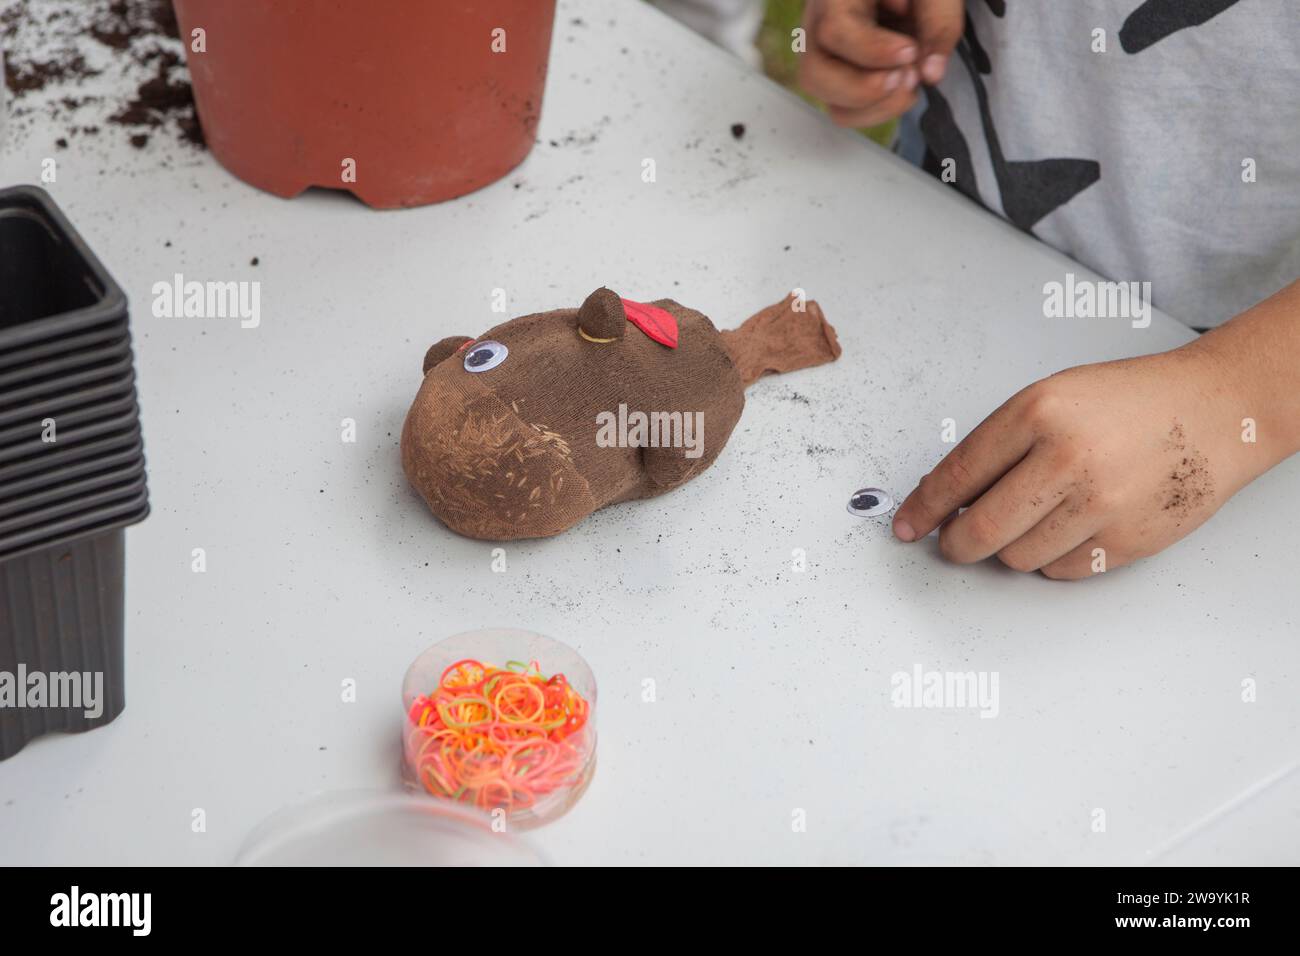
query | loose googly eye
(484,356)
(870,502)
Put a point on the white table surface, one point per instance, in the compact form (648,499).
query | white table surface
(772,687)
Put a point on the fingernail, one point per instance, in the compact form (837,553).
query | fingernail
(903,531)
(909,79)
(905,54)
(893,79)
(932,68)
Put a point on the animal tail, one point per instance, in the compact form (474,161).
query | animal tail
(781,338)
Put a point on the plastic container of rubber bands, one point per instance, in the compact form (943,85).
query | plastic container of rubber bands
(501,720)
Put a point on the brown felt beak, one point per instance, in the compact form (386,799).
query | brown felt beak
(601,318)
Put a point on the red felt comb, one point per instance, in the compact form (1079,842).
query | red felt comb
(653,321)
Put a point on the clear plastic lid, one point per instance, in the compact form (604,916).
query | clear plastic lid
(382,828)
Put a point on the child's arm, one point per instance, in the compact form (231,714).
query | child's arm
(1102,464)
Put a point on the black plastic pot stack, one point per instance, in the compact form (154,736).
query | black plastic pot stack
(72,473)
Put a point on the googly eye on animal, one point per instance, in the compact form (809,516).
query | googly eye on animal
(485,356)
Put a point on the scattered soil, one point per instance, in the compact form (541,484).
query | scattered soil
(24,76)
(55,49)
(162,98)
(583,138)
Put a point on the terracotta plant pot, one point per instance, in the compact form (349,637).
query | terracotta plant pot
(401,103)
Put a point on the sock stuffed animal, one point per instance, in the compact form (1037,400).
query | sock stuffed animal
(526,430)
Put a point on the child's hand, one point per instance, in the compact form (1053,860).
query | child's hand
(1126,457)
(867,74)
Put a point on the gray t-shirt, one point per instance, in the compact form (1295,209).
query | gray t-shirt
(1150,140)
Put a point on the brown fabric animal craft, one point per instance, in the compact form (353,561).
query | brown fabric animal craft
(526,430)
